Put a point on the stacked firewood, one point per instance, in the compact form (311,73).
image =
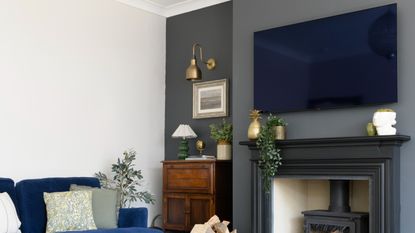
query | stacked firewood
(214,225)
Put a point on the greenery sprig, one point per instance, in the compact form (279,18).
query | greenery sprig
(126,179)
(221,132)
(270,157)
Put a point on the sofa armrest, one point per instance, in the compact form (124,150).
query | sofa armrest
(133,217)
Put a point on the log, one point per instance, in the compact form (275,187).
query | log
(220,228)
(202,228)
(212,226)
(213,220)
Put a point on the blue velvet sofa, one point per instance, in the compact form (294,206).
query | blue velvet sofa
(28,198)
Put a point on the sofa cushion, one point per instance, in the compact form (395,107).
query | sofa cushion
(104,205)
(68,211)
(31,206)
(121,230)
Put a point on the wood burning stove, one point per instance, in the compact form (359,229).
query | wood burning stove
(338,218)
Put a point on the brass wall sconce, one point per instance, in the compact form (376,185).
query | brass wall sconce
(193,72)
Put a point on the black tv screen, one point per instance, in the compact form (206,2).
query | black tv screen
(340,61)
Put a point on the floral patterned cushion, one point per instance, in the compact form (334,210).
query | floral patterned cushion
(69,211)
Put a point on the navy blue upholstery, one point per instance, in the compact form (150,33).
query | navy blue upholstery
(28,194)
(121,230)
(133,217)
(31,206)
(7,185)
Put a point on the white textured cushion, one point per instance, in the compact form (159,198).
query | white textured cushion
(9,221)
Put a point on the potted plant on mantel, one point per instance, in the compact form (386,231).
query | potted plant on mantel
(278,125)
(222,134)
(270,157)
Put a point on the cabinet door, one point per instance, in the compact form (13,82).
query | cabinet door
(174,211)
(201,209)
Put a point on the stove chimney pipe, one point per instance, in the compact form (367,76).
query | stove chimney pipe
(339,196)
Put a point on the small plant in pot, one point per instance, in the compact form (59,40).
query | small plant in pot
(278,125)
(270,157)
(222,134)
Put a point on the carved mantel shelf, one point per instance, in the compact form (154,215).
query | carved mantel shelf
(375,158)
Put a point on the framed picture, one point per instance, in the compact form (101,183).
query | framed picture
(210,99)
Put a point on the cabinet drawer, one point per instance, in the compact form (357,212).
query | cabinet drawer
(189,177)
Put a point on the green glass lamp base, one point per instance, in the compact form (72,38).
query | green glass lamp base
(183,149)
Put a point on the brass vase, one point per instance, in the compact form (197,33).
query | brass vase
(279,132)
(255,126)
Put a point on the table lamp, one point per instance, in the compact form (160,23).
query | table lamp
(184,132)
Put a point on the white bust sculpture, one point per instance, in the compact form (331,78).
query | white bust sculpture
(383,120)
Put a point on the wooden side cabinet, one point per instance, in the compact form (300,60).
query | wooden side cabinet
(193,191)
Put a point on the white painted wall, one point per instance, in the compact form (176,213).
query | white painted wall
(80,81)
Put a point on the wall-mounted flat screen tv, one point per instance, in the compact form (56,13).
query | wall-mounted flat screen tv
(340,61)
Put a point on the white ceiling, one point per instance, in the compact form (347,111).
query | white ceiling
(167,3)
(169,8)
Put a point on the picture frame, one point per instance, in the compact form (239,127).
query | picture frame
(210,99)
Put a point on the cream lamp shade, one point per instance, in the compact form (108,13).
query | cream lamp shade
(184,131)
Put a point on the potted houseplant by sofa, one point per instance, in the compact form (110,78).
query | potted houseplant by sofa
(222,134)
(126,179)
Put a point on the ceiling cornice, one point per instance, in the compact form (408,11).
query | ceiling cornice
(171,10)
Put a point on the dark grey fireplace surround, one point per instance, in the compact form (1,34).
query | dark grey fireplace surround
(376,159)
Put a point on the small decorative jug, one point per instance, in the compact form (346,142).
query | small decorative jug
(371,129)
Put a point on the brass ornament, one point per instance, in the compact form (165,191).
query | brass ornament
(255,125)
(200,146)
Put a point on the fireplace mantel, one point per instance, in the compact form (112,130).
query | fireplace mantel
(374,158)
(373,141)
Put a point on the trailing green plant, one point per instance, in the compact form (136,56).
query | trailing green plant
(126,179)
(270,157)
(221,132)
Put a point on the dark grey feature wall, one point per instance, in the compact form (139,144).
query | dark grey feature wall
(212,28)
(250,16)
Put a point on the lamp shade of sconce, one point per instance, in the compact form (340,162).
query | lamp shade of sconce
(193,72)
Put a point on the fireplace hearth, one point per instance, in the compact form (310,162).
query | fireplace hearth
(338,218)
(375,159)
